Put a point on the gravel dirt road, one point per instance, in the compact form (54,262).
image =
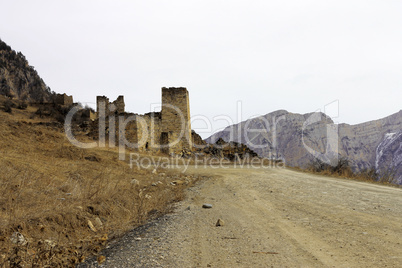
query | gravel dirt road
(272,218)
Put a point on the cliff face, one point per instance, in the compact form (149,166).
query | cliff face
(360,143)
(389,155)
(298,139)
(20,80)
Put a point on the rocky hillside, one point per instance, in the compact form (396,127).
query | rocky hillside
(389,155)
(20,80)
(298,139)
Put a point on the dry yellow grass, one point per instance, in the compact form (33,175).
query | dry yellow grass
(365,176)
(66,206)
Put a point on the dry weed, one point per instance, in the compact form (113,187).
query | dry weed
(64,201)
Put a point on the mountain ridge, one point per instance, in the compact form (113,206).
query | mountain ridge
(20,80)
(286,136)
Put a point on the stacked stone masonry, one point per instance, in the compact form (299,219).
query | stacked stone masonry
(168,131)
(111,108)
(63,99)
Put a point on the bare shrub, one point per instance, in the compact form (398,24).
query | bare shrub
(387,175)
(8,104)
(368,174)
(22,105)
(343,169)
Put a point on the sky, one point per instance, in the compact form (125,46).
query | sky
(238,59)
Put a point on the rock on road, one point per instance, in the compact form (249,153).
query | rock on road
(273,218)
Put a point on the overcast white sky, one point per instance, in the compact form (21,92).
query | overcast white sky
(270,55)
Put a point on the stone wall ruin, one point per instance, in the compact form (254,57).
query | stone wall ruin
(176,124)
(110,108)
(63,99)
(168,131)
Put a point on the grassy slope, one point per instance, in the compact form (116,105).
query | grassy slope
(49,192)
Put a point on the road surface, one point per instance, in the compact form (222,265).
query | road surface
(272,218)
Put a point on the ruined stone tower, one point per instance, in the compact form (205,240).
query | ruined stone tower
(168,131)
(119,104)
(117,108)
(176,124)
(63,99)
(101,100)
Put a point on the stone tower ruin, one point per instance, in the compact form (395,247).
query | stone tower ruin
(64,99)
(116,107)
(176,124)
(168,131)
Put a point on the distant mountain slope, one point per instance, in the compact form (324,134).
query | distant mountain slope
(389,155)
(292,137)
(20,80)
(360,142)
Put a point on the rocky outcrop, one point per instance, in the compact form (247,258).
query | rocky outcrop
(232,151)
(298,139)
(196,139)
(20,80)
